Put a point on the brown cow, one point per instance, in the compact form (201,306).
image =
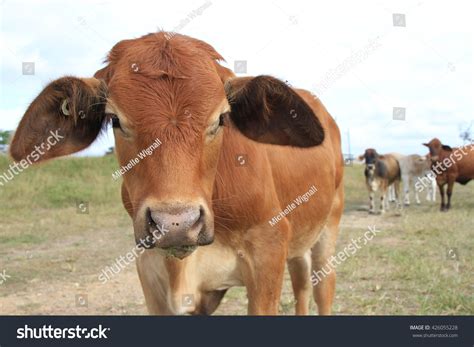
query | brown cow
(381,171)
(450,165)
(172,88)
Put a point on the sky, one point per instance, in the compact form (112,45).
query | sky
(394,74)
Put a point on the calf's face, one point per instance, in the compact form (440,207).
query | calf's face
(436,147)
(370,158)
(179,111)
(168,101)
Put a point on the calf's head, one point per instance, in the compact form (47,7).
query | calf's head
(423,163)
(168,101)
(370,157)
(436,147)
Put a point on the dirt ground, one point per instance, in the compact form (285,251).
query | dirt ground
(51,253)
(80,292)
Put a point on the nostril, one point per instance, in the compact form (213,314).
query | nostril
(149,218)
(201,213)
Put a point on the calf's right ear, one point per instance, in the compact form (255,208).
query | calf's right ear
(266,110)
(447,148)
(64,118)
(361,157)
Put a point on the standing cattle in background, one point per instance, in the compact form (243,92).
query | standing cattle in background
(450,165)
(215,211)
(414,168)
(391,196)
(380,172)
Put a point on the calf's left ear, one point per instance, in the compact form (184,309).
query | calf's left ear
(266,110)
(65,117)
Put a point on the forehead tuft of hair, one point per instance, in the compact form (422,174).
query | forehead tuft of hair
(162,54)
(167,84)
(370,152)
(435,142)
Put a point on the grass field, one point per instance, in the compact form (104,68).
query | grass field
(52,253)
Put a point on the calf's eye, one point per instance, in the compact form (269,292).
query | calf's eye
(115,121)
(222,118)
(217,125)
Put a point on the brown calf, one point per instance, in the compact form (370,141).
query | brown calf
(450,165)
(223,224)
(381,171)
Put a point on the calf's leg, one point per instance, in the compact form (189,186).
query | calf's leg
(433,190)
(398,197)
(415,190)
(406,189)
(429,192)
(441,191)
(209,302)
(321,253)
(300,271)
(371,202)
(325,285)
(383,196)
(450,193)
(391,194)
(263,265)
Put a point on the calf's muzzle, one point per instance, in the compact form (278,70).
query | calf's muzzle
(177,228)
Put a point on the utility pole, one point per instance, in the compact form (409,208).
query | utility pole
(349,145)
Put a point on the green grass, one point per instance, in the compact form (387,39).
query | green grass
(49,248)
(409,259)
(22,239)
(60,183)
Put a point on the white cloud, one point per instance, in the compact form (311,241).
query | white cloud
(425,67)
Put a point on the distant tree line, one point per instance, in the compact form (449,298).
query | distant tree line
(5,136)
(466,134)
